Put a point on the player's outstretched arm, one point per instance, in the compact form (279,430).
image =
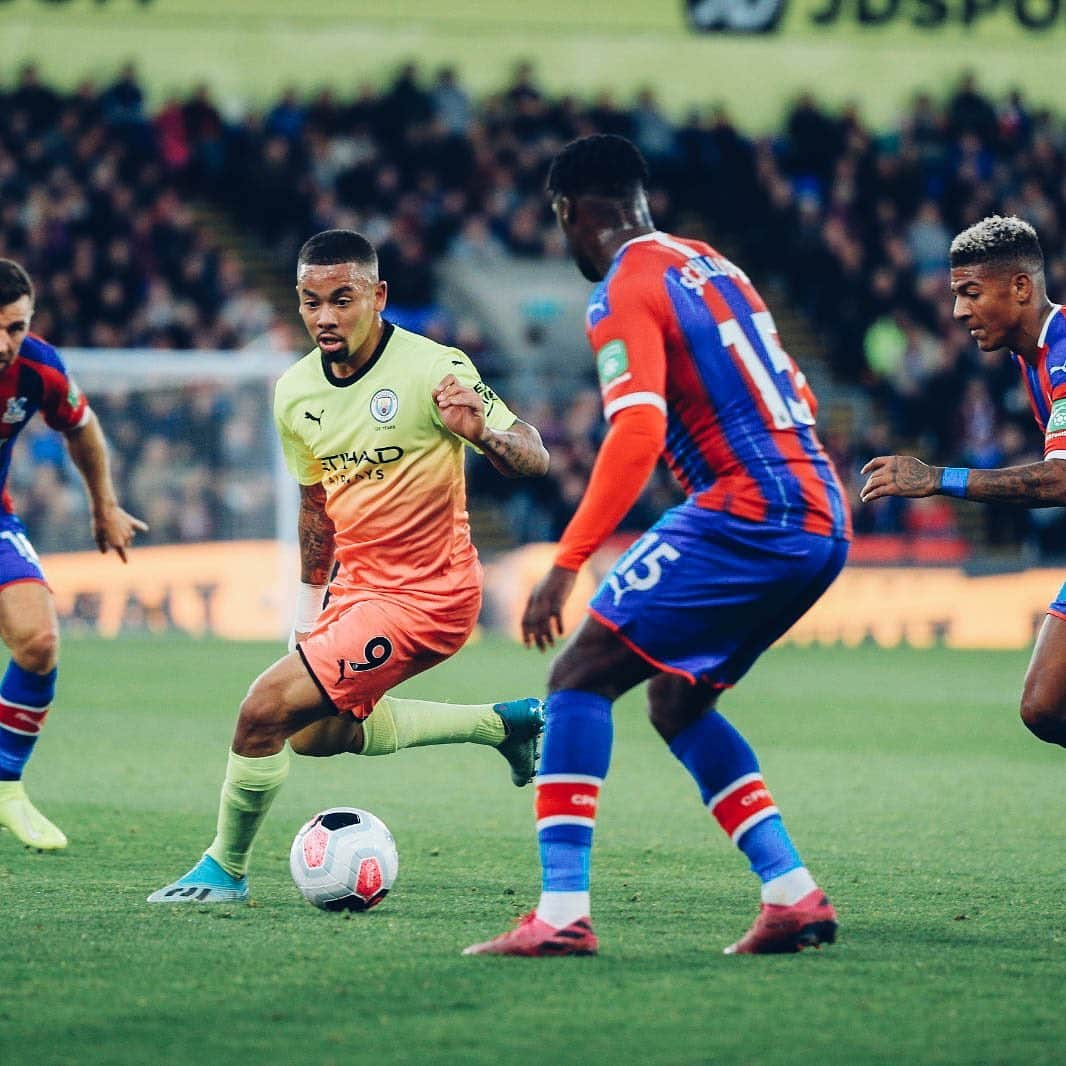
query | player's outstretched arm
(625,461)
(516,451)
(113,528)
(1040,484)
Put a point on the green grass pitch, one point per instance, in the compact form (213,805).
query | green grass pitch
(916,796)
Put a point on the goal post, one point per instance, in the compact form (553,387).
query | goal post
(195,454)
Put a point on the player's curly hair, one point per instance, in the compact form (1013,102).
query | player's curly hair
(333,246)
(14,283)
(603,164)
(1010,243)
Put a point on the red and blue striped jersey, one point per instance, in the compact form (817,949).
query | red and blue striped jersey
(36,381)
(1046,383)
(677,326)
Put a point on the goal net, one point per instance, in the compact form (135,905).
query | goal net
(194,454)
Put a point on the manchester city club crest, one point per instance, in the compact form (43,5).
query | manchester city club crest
(384,405)
(16,410)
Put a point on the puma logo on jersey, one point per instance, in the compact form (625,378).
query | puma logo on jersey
(315,418)
(1050,369)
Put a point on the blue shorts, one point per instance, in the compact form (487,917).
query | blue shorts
(704,594)
(18,560)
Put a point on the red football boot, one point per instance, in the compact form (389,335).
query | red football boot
(532,937)
(808,923)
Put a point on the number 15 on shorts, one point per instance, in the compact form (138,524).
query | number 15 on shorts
(641,567)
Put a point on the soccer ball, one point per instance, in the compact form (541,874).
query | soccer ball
(344,859)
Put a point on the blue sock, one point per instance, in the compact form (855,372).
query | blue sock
(578,733)
(728,776)
(24,701)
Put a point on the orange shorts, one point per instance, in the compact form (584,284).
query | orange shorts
(367,641)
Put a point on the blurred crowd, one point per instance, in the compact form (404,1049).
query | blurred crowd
(857,224)
(93,205)
(853,223)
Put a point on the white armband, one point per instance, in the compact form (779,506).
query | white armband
(308,606)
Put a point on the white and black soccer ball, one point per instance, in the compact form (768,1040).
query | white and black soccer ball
(344,859)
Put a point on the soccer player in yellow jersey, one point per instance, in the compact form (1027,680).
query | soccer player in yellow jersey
(373,424)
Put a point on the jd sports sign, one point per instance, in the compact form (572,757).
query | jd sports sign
(765,16)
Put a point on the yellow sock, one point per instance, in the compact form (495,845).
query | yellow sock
(396,724)
(247,793)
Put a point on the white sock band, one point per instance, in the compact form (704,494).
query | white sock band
(788,888)
(559,909)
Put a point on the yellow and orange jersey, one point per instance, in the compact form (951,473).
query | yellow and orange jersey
(393,474)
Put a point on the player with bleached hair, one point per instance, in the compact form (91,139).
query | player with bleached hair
(997,279)
(373,424)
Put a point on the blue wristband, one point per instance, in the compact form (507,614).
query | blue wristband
(954,481)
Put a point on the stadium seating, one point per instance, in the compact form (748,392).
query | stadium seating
(107,208)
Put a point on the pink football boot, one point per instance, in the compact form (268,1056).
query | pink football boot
(532,937)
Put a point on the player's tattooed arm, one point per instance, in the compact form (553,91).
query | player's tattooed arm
(316,536)
(1040,484)
(516,452)
(899,475)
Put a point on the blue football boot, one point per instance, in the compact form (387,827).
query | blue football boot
(524,722)
(206,882)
